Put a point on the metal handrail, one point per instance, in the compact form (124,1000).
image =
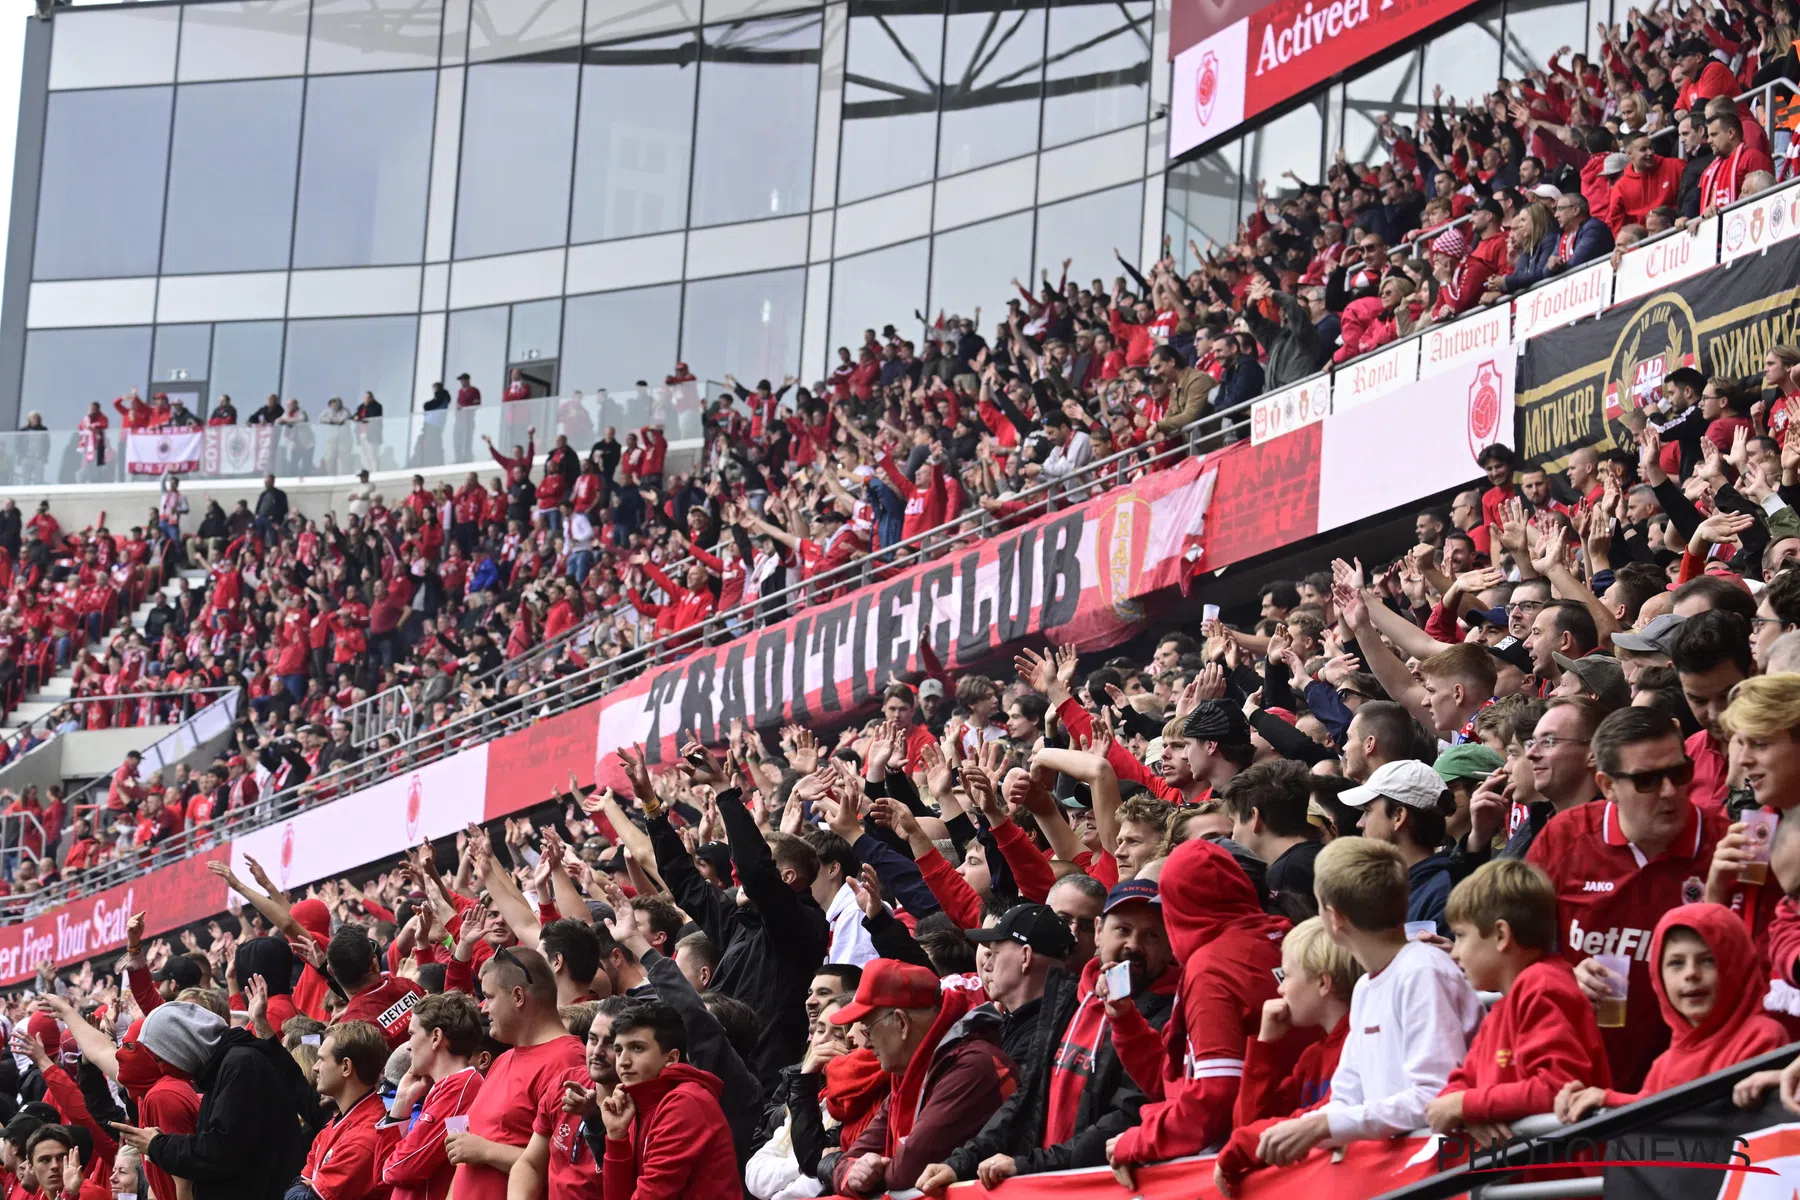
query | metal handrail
(556,696)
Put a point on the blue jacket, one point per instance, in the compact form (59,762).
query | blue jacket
(1592,240)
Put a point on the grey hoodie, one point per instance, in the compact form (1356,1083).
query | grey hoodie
(183,1035)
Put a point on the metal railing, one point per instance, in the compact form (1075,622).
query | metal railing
(379,715)
(196,727)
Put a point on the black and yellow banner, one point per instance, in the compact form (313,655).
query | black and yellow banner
(1575,383)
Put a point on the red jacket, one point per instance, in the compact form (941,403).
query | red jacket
(1635,193)
(412,1157)
(1540,1036)
(1278,1081)
(680,1147)
(1230,950)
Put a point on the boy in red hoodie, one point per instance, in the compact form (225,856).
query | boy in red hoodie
(1542,1034)
(1229,949)
(666,1136)
(1709,981)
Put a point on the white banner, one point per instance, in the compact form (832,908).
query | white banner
(238,449)
(1208,96)
(1374,375)
(431,802)
(1666,260)
(1753,228)
(1289,409)
(1479,335)
(163,451)
(1584,292)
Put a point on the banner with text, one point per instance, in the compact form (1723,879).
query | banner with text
(1075,576)
(169,896)
(238,449)
(1574,384)
(163,451)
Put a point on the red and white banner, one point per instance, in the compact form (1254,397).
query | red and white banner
(1584,292)
(1074,576)
(1280,413)
(1364,379)
(163,451)
(1655,265)
(1448,417)
(238,449)
(1226,72)
(1478,335)
(431,802)
(170,897)
(1772,217)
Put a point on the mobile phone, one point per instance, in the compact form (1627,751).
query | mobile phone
(1118,981)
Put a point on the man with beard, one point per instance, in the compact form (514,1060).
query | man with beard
(1075,1095)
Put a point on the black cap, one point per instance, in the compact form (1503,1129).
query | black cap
(1511,651)
(1034,925)
(180,970)
(716,854)
(1217,721)
(1694,45)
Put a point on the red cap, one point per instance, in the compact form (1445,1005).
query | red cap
(236,760)
(890,983)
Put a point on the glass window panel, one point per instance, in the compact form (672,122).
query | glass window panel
(365,167)
(970,267)
(882,288)
(184,348)
(115,48)
(346,357)
(100,189)
(635,138)
(746,324)
(759,83)
(1099,69)
(1536,29)
(993,83)
(1291,142)
(536,330)
(231,177)
(606,21)
(1202,201)
(246,363)
(475,342)
(66,369)
(618,338)
(374,35)
(243,39)
(518,128)
(1087,228)
(1464,59)
(1389,89)
(507,28)
(890,99)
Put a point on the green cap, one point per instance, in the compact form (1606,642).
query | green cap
(1470,760)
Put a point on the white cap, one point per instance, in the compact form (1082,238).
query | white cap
(1406,781)
(1547,191)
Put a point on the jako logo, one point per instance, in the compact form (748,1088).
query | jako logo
(1597,885)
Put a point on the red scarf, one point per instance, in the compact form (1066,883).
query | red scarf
(1719,187)
(855,1086)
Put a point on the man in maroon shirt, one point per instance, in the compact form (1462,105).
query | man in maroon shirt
(468,398)
(384,1001)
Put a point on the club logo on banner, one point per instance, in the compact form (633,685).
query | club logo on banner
(163,451)
(1753,228)
(1206,87)
(1484,408)
(1280,413)
(1576,384)
(238,449)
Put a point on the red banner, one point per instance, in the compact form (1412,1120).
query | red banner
(526,767)
(169,897)
(1363,1170)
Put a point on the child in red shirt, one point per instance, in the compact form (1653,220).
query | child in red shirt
(1542,1035)
(1709,982)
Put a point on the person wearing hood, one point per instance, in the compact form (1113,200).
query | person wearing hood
(306,920)
(1709,982)
(666,1136)
(248,1141)
(272,960)
(1229,949)
(1076,1095)
(941,1050)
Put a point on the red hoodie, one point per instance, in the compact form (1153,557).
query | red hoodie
(1230,950)
(1540,1036)
(1735,1029)
(680,1146)
(1635,193)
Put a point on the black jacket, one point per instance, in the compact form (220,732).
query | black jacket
(248,1143)
(272,505)
(770,949)
(1109,1103)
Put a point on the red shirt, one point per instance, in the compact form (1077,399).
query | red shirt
(1540,1036)
(173,1106)
(345,1163)
(1609,898)
(388,1005)
(413,1158)
(507,1108)
(574,1175)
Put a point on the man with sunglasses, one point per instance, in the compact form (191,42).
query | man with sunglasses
(1620,863)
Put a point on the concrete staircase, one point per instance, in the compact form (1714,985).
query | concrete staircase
(60,686)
